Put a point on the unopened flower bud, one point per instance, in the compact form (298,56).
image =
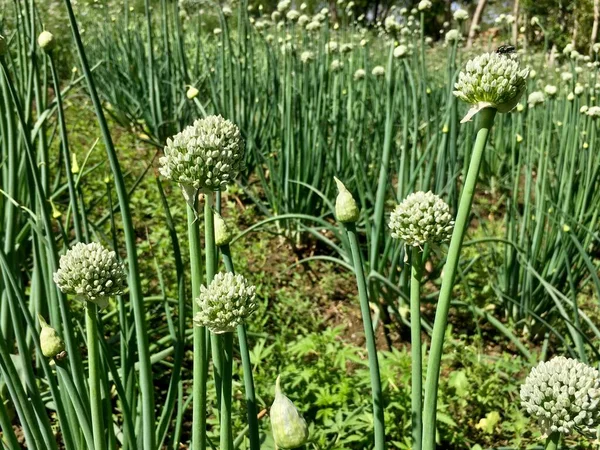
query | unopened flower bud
(289,427)
(46,41)
(50,341)
(346,209)
(223,234)
(192,93)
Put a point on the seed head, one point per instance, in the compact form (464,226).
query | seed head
(283,5)
(227,301)
(421,218)
(378,71)
(593,112)
(307,56)
(288,425)
(91,272)
(336,65)
(491,80)
(460,15)
(563,395)
(423,5)
(292,15)
(207,155)
(359,74)
(401,51)
(535,98)
(551,90)
(46,41)
(453,36)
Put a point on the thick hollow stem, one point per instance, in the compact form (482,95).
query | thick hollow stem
(91,324)
(415,342)
(200,368)
(246,366)
(377,394)
(226,433)
(441,316)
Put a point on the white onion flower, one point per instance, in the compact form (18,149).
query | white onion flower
(491,80)
(421,218)
(91,272)
(227,301)
(206,155)
(535,98)
(563,395)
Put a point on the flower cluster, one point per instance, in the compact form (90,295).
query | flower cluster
(535,98)
(206,155)
(91,272)
(227,301)
(492,79)
(421,218)
(563,395)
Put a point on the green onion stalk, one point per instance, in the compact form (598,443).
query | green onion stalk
(421,219)
(347,214)
(216,142)
(491,83)
(416,402)
(450,269)
(200,364)
(223,237)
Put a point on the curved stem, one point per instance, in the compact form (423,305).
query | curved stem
(377,395)
(441,316)
(415,342)
(91,325)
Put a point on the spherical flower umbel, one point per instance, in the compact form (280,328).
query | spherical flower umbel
(91,272)
(491,80)
(460,15)
(593,112)
(421,218)
(563,395)
(453,36)
(207,155)
(378,71)
(535,98)
(227,301)
(359,74)
(424,4)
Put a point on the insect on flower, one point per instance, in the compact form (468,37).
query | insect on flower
(506,49)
